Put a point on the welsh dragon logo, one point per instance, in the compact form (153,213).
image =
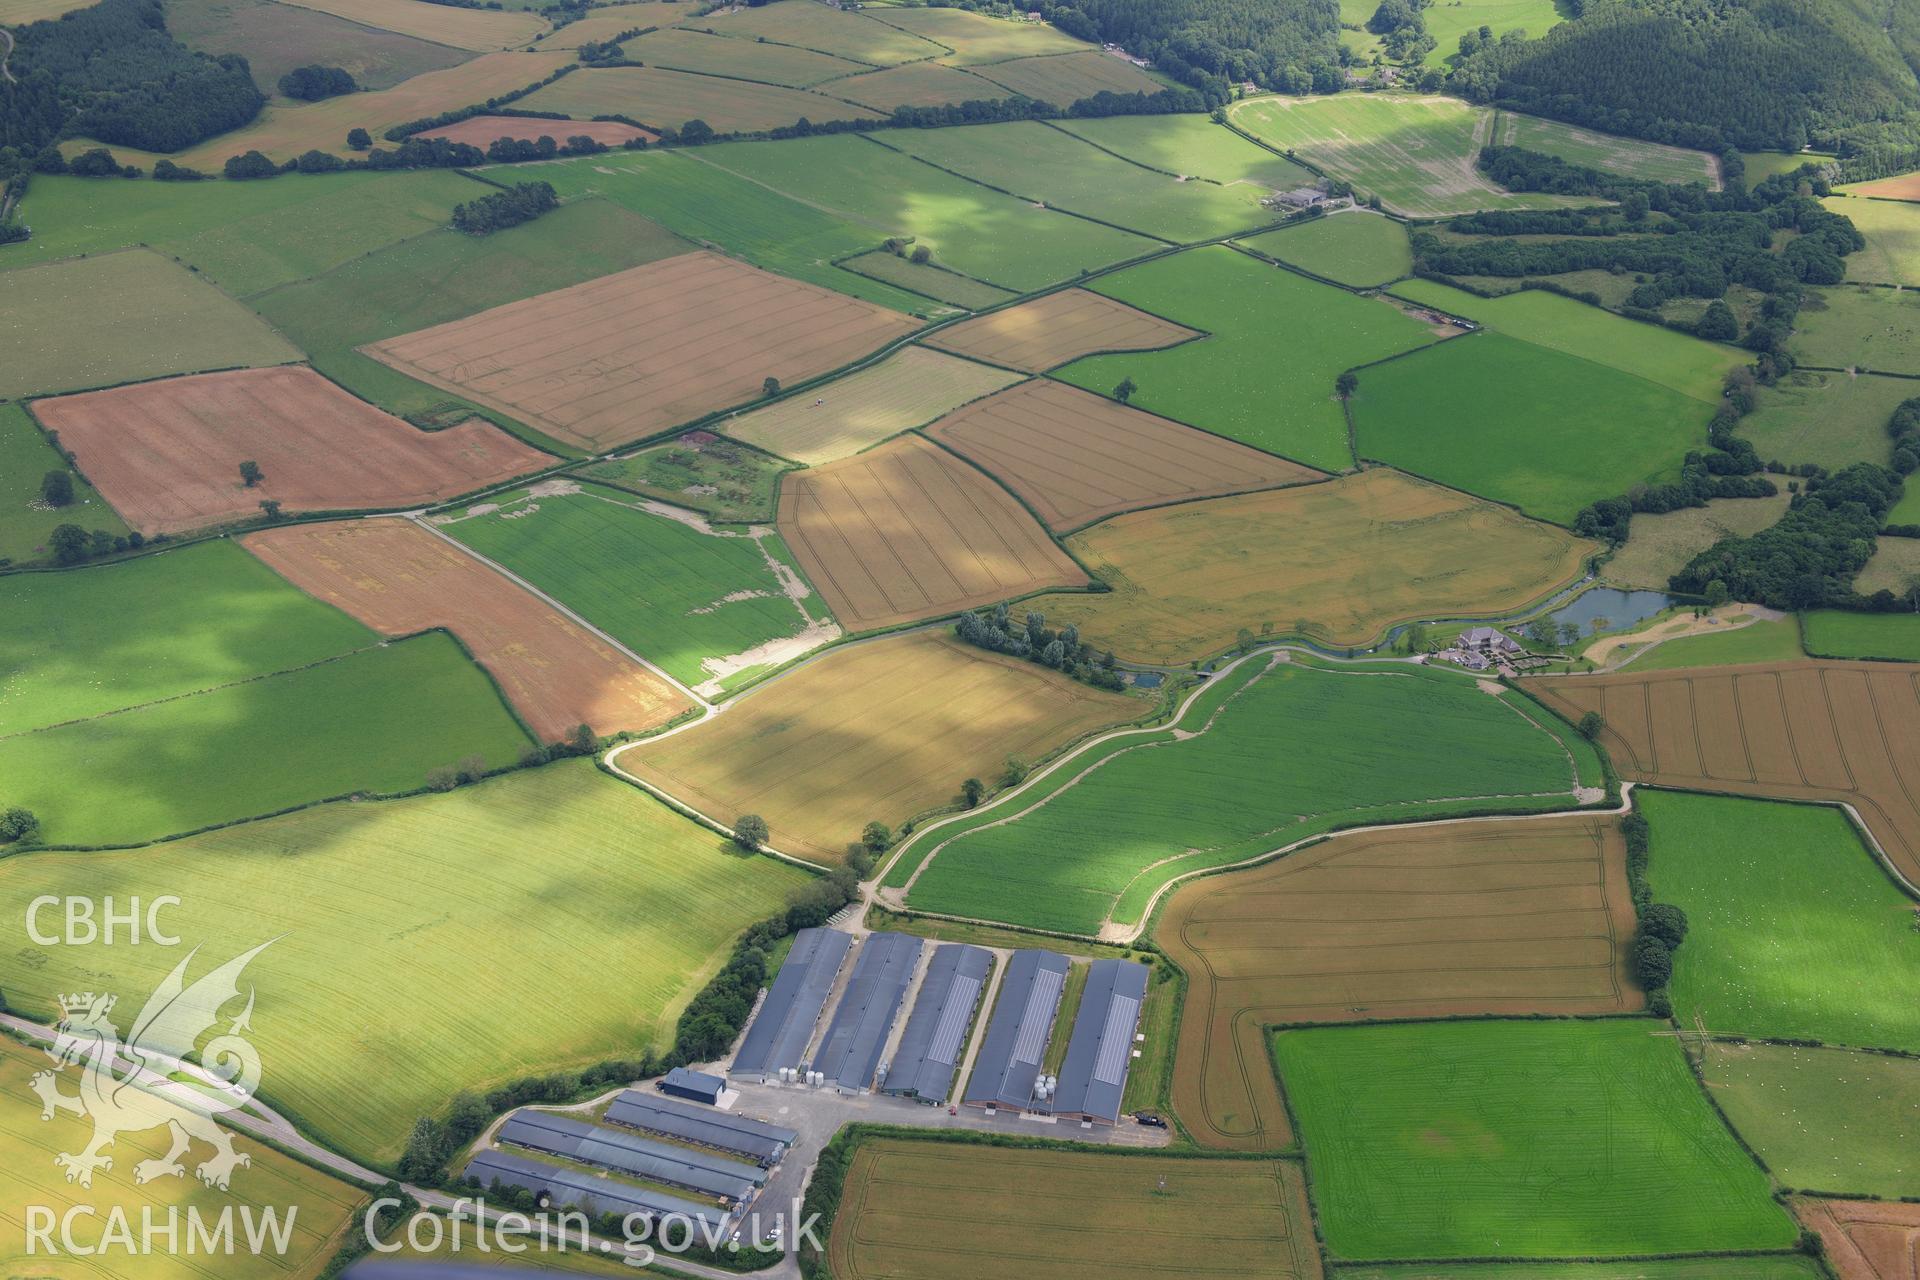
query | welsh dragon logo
(130,1087)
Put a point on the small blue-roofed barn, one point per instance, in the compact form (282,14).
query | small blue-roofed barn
(694,1086)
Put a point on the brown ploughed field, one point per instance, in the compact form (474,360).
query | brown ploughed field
(1865,1239)
(1497,917)
(400,579)
(909,531)
(628,355)
(1904,187)
(1077,457)
(1835,731)
(1061,327)
(167,454)
(483,131)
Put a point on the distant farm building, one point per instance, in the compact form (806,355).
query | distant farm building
(694,1086)
(590,1191)
(632,1156)
(1299,198)
(764,1144)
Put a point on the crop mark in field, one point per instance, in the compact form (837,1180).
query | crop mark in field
(1865,1239)
(1844,732)
(1050,331)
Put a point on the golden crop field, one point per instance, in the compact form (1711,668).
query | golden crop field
(1061,327)
(481,30)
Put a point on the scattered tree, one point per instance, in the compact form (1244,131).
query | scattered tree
(310,84)
(17,824)
(973,789)
(1666,922)
(270,508)
(750,832)
(921,254)
(56,488)
(69,543)
(1346,384)
(250,165)
(250,474)
(1652,963)
(1591,724)
(876,837)
(1015,771)
(442,777)
(582,740)
(1123,392)
(359,140)
(771,386)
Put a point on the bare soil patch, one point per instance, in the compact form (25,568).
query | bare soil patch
(627,355)
(167,454)
(1423,922)
(909,531)
(1061,327)
(1865,1239)
(483,131)
(1833,731)
(400,579)
(1077,457)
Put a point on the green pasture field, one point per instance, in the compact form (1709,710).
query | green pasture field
(1824,1119)
(244,236)
(1448,20)
(1676,361)
(663,99)
(1229,382)
(1358,249)
(1836,633)
(845,33)
(1518,1139)
(709,205)
(1764,1267)
(602,909)
(654,583)
(1830,418)
(1859,327)
(25,458)
(446,275)
(1896,561)
(1907,510)
(1281,754)
(1524,424)
(768,63)
(1660,545)
(376,720)
(275,38)
(1755,642)
(928,279)
(315,1207)
(1629,157)
(1762,165)
(970,228)
(1190,145)
(1796,931)
(84,642)
(122,317)
(1892,229)
(1415,153)
(1039,163)
(975,38)
(1065,78)
(724,480)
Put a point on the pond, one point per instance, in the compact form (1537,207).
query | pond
(1612,608)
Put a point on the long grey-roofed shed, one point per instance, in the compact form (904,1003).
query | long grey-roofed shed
(631,1154)
(936,1033)
(1094,1076)
(585,1189)
(1023,1014)
(785,1024)
(857,1036)
(721,1130)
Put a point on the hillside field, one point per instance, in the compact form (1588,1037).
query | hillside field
(1192,146)
(1520,1139)
(1659,545)
(627,906)
(1892,230)
(1122,819)
(1831,419)
(1358,249)
(1859,327)
(1228,383)
(275,38)
(1629,157)
(1824,1119)
(660,98)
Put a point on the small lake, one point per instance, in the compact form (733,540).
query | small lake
(1618,610)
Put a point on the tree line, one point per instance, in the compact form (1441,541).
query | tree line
(1034,640)
(522,202)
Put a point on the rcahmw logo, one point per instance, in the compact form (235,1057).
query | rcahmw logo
(145,1083)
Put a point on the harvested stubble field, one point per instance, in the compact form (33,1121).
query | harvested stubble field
(1892,229)
(916,84)
(1358,249)
(916,1208)
(1233,382)
(1630,157)
(1057,329)
(1190,145)
(121,317)
(603,22)
(1797,933)
(908,389)
(664,99)
(1859,327)
(315,1207)
(628,355)
(1560,1139)
(872,732)
(1837,633)
(1823,1119)
(400,579)
(927,279)
(1659,546)
(275,38)
(596,888)
(745,60)
(1833,731)
(846,33)
(1865,1240)
(1483,917)
(976,38)
(705,605)
(1904,187)
(483,131)
(1340,562)
(909,531)
(167,454)
(1076,457)
(1415,153)
(476,29)
(1270,755)
(1065,78)
(375,720)
(15,13)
